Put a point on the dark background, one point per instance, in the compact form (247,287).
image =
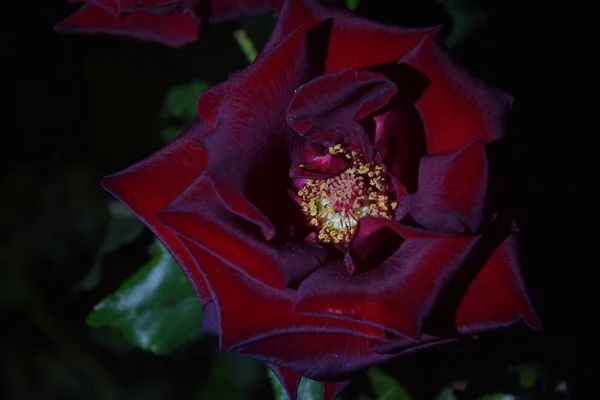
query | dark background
(78,107)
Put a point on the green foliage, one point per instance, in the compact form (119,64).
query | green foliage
(180,102)
(180,107)
(385,387)
(230,378)
(307,390)
(156,309)
(122,228)
(352,4)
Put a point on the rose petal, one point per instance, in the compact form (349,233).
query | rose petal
(199,215)
(400,139)
(456,108)
(227,10)
(288,379)
(319,356)
(399,294)
(252,182)
(452,190)
(497,296)
(249,311)
(353,42)
(210,101)
(131,6)
(111,6)
(406,345)
(153,183)
(325,110)
(173,29)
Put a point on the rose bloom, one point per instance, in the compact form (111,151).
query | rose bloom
(331,204)
(170,22)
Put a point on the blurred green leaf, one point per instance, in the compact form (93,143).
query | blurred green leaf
(180,102)
(307,390)
(498,396)
(352,4)
(528,373)
(446,394)
(468,17)
(156,309)
(170,133)
(245,44)
(231,377)
(123,228)
(386,387)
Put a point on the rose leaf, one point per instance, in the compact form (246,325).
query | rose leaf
(385,387)
(307,390)
(155,309)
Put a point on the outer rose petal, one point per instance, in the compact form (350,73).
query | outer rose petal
(171,29)
(456,108)
(354,42)
(252,182)
(226,10)
(249,311)
(318,356)
(396,296)
(153,183)
(199,215)
(497,297)
(452,190)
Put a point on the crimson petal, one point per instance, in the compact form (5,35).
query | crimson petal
(326,109)
(249,311)
(400,139)
(456,108)
(226,10)
(354,42)
(251,175)
(497,296)
(199,215)
(153,183)
(399,294)
(172,29)
(318,356)
(406,345)
(452,190)
(112,6)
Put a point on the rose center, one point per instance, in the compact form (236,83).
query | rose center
(333,206)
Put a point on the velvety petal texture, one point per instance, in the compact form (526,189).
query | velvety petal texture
(337,112)
(170,22)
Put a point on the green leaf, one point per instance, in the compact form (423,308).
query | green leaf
(446,394)
(155,309)
(307,390)
(246,44)
(498,396)
(386,387)
(352,4)
(232,377)
(180,102)
(170,133)
(528,373)
(467,18)
(122,228)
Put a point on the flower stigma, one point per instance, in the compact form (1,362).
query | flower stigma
(334,205)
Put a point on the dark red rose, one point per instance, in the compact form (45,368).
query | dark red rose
(171,22)
(332,202)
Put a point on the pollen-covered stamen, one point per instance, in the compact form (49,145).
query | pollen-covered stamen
(334,206)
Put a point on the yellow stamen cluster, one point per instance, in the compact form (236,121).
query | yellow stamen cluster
(333,206)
